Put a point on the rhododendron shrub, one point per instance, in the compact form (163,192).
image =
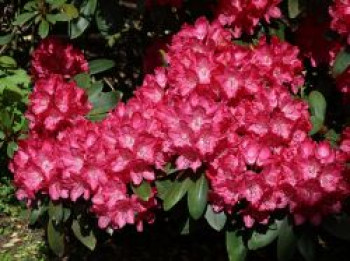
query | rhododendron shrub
(239,127)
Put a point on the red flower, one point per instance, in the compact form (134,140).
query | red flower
(244,15)
(53,56)
(340,12)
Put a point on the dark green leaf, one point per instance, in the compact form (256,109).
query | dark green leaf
(82,23)
(163,187)
(259,240)
(143,191)
(235,247)
(66,214)
(23,18)
(13,94)
(342,62)
(197,197)
(5,39)
(338,226)
(36,213)
(100,65)
(306,246)
(56,239)
(215,220)
(286,243)
(56,212)
(30,6)
(11,148)
(44,28)
(176,192)
(87,238)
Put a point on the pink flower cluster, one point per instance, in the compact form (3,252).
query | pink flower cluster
(340,12)
(244,15)
(53,56)
(228,109)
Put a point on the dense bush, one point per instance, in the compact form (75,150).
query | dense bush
(240,118)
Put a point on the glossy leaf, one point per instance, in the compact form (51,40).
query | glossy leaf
(44,28)
(85,236)
(163,187)
(56,212)
(260,240)
(82,23)
(235,247)
(287,242)
(342,62)
(24,18)
(215,220)
(197,197)
(55,238)
(100,65)
(176,192)
(11,148)
(83,80)
(143,191)
(306,246)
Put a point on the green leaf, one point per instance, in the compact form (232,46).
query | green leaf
(56,212)
(70,10)
(215,220)
(306,246)
(82,23)
(318,106)
(56,2)
(175,193)
(100,65)
(36,213)
(338,226)
(259,240)
(11,149)
(24,18)
(294,8)
(30,6)
(66,214)
(287,242)
(342,62)
(53,18)
(56,239)
(163,187)
(85,236)
(83,80)
(103,102)
(143,191)
(7,62)
(5,39)
(44,28)
(197,197)
(235,247)
(13,94)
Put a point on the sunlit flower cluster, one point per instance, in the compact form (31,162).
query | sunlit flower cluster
(229,110)
(244,15)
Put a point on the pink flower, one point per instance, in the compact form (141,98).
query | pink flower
(340,13)
(244,15)
(53,56)
(55,104)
